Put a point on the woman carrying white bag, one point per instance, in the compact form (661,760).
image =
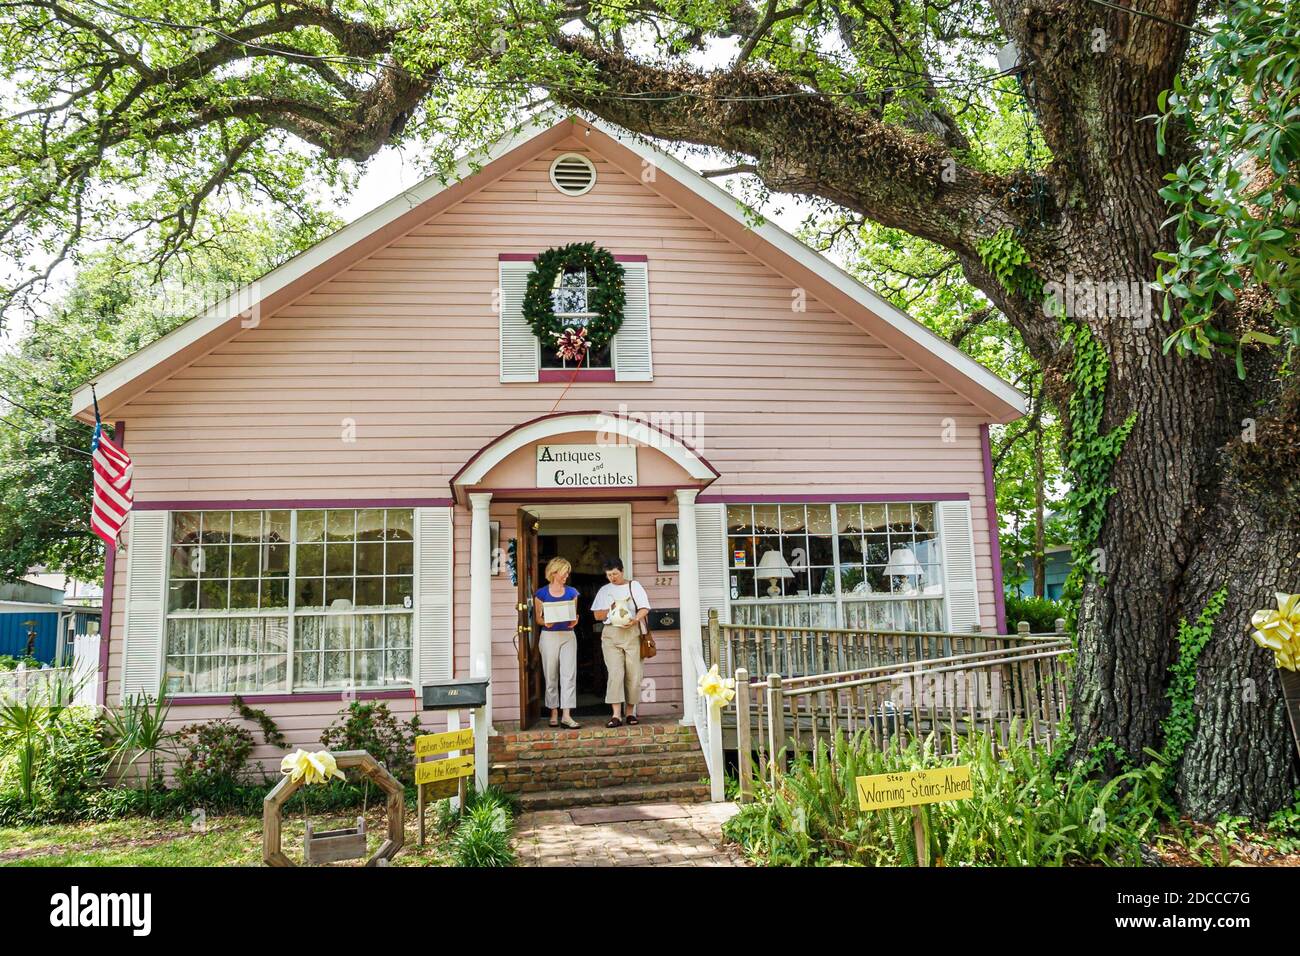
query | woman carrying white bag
(623,606)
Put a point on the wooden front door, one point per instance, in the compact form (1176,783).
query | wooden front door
(531,685)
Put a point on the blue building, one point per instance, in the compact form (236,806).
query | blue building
(34,619)
(1057,567)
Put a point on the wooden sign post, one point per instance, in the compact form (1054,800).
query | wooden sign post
(912,788)
(442,778)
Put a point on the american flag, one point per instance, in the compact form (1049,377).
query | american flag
(113,496)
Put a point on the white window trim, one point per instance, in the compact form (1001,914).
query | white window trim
(292,614)
(623,512)
(839,598)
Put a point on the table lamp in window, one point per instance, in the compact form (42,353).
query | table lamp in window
(772,567)
(903,564)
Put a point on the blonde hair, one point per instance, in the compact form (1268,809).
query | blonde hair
(557,566)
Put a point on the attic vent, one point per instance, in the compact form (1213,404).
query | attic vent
(573,174)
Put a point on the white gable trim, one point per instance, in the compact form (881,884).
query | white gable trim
(543,428)
(228,311)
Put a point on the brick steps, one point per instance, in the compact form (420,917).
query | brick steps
(597,771)
(550,769)
(606,796)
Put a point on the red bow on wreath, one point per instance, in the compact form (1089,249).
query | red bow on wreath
(571,345)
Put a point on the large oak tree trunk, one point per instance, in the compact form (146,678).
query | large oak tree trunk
(1179,527)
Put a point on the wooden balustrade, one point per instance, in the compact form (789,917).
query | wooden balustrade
(802,651)
(1014,687)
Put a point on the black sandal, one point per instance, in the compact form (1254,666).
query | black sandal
(632,721)
(614,722)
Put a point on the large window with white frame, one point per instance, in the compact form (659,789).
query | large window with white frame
(848,564)
(289,600)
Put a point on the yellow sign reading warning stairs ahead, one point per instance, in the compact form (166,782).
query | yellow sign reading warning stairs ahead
(913,787)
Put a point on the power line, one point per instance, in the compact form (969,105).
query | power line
(28,410)
(79,451)
(1190,28)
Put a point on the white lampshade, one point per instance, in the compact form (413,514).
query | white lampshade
(903,562)
(772,565)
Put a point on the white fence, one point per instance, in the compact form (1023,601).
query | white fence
(82,676)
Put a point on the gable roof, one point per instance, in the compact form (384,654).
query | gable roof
(681,185)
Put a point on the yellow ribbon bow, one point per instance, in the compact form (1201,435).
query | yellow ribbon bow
(1279,630)
(716,688)
(310,768)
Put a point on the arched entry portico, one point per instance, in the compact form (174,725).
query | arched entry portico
(561,463)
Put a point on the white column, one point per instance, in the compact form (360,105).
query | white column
(688,596)
(480,603)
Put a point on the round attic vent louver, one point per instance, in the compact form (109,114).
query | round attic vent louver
(573,174)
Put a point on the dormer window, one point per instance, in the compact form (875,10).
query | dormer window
(569,299)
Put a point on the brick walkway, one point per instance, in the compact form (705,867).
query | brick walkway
(684,835)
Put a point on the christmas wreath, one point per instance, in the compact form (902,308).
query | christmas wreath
(605,299)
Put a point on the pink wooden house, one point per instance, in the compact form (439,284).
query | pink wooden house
(337,469)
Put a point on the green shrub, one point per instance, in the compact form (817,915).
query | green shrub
(371,726)
(482,837)
(54,778)
(212,756)
(76,762)
(1021,813)
(1041,613)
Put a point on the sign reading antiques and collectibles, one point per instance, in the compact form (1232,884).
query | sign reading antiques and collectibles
(586,466)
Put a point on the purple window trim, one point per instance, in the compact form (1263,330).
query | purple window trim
(106,604)
(995,545)
(282,698)
(106,622)
(530,256)
(847,497)
(293,503)
(584,375)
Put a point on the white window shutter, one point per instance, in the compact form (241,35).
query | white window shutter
(146,597)
(711,551)
(957,539)
(521,354)
(631,347)
(433,576)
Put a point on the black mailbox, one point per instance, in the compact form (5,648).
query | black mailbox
(455,694)
(665,619)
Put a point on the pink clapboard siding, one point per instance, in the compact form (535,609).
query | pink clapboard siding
(403,345)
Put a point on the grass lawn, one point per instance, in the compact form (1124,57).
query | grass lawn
(226,841)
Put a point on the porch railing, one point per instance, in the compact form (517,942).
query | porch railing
(802,651)
(1017,690)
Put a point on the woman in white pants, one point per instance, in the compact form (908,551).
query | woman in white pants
(622,605)
(559,646)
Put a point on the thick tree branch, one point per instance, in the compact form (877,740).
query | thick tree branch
(800,143)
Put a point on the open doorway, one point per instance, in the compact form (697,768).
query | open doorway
(585,543)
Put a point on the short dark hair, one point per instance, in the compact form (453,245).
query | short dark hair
(613,564)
